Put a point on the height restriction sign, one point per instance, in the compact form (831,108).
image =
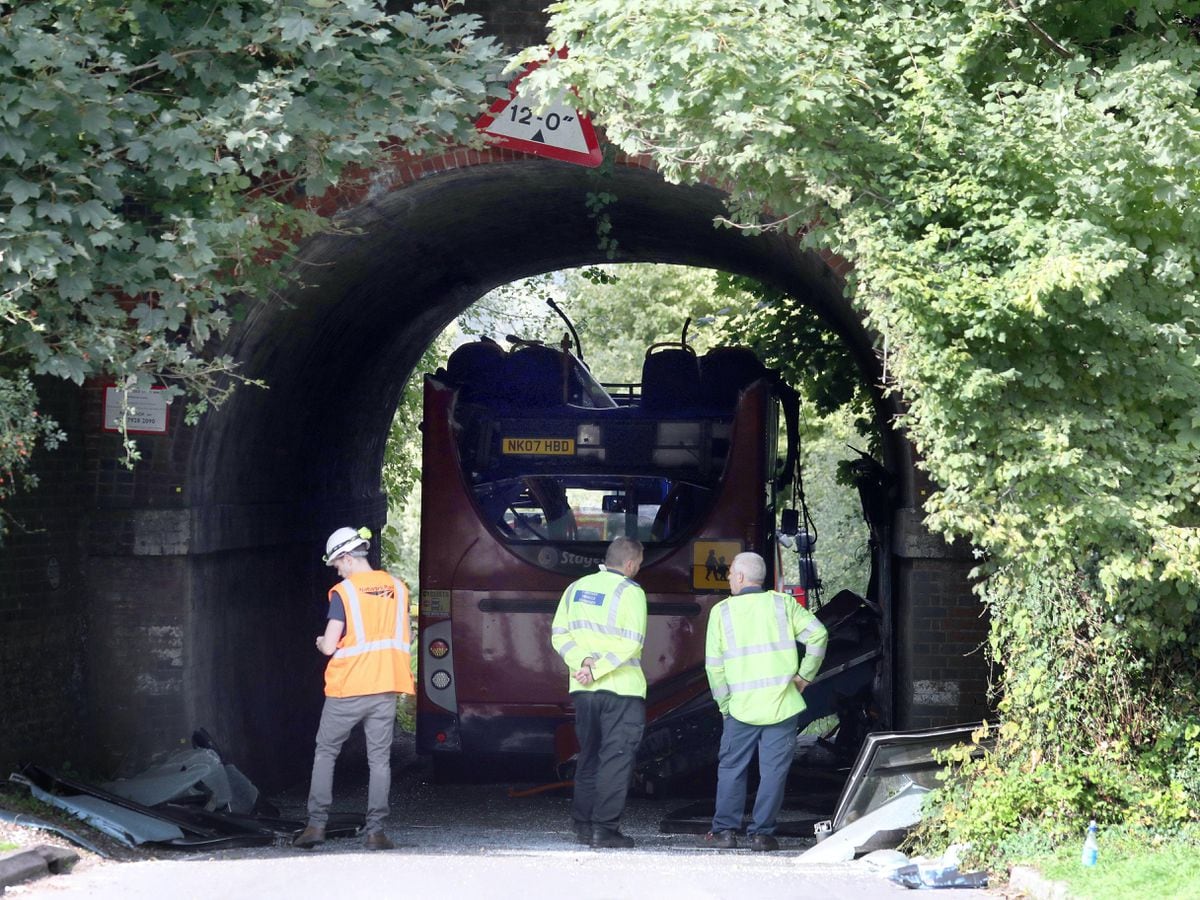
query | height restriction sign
(556,130)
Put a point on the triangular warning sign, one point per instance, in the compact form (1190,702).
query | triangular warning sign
(557,131)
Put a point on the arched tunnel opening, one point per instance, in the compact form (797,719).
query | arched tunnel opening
(273,472)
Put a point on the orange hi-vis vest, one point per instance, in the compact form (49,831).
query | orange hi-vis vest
(373,656)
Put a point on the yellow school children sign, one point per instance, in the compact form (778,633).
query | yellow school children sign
(710,564)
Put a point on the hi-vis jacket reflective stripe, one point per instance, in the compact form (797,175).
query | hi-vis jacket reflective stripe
(373,656)
(603,616)
(750,655)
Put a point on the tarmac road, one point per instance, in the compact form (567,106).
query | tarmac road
(529,874)
(474,841)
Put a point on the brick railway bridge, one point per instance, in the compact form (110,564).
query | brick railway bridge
(140,605)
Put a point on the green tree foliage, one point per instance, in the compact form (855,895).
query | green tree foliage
(401,476)
(1015,182)
(154,160)
(791,338)
(835,420)
(842,553)
(620,311)
(617,310)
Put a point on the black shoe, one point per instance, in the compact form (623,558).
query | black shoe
(603,838)
(763,843)
(583,833)
(309,837)
(719,840)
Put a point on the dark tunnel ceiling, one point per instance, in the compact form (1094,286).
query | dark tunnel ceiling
(336,353)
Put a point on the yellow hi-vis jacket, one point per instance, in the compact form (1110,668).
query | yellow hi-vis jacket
(750,655)
(603,615)
(373,656)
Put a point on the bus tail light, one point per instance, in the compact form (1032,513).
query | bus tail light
(437,665)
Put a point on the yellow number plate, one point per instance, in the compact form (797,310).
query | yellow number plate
(539,446)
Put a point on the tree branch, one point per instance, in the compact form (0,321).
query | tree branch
(1042,35)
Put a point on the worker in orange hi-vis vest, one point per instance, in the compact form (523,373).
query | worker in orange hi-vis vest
(367,639)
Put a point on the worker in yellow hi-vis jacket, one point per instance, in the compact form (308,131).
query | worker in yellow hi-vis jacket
(598,630)
(758,680)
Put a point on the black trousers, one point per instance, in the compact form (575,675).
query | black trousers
(609,728)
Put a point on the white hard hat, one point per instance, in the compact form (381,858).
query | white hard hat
(343,541)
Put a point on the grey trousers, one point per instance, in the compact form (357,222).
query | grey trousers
(377,712)
(776,745)
(609,727)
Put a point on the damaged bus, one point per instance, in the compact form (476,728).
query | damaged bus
(530,467)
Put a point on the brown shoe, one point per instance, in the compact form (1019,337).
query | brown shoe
(309,838)
(377,840)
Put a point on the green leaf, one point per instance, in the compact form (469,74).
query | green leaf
(21,190)
(296,28)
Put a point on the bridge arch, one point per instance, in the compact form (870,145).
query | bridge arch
(277,470)
(190,588)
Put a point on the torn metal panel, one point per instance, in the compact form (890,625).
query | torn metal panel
(923,877)
(180,776)
(848,682)
(890,761)
(243,794)
(27,821)
(245,797)
(187,835)
(51,782)
(339,825)
(124,825)
(879,829)
(195,800)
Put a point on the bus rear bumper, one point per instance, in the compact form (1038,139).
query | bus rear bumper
(481,734)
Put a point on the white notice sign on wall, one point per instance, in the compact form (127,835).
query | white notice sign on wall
(147,410)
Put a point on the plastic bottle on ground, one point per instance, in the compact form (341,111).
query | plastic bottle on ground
(1090,848)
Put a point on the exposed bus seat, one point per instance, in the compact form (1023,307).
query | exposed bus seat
(475,367)
(670,377)
(533,376)
(725,372)
(473,360)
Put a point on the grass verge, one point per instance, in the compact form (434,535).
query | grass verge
(1132,863)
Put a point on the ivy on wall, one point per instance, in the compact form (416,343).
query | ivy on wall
(1015,183)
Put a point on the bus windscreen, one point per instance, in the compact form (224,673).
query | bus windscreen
(591,508)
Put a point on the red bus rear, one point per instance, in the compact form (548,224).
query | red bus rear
(530,469)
